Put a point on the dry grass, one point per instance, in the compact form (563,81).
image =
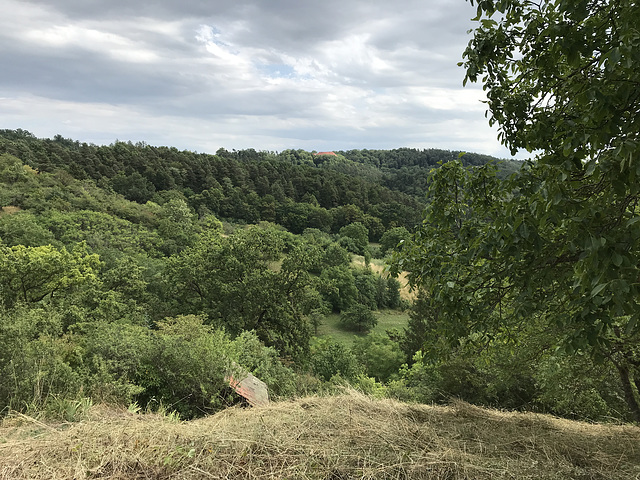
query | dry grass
(344,437)
(9,209)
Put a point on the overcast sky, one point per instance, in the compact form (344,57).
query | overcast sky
(264,74)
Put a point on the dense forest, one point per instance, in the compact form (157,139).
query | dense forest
(144,275)
(295,189)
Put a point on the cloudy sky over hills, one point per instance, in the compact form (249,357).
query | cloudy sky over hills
(263,74)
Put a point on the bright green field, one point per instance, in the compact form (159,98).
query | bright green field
(387,320)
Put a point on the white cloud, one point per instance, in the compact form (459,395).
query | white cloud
(92,40)
(266,75)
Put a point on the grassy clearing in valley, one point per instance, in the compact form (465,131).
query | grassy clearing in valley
(343,437)
(387,320)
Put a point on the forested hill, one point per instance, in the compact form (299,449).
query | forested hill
(407,169)
(381,189)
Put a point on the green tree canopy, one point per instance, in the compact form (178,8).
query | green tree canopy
(358,237)
(380,356)
(31,274)
(246,281)
(358,318)
(392,238)
(560,241)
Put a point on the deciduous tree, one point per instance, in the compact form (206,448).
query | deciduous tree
(560,240)
(32,274)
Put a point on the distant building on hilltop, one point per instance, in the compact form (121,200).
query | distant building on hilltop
(326,153)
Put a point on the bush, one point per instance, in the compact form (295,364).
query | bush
(393,293)
(329,359)
(391,239)
(369,386)
(575,387)
(34,359)
(39,374)
(117,359)
(181,366)
(335,256)
(338,288)
(417,383)
(355,237)
(380,356)
(187,366)
(428,382)
(365,282)
(358,318)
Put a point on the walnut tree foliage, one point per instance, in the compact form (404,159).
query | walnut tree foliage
(559,242)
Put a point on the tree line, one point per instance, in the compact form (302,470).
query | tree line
(293,188)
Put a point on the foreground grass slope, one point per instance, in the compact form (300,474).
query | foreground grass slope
(344,437)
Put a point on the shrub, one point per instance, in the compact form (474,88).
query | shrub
(369,386)
(575,387)
(338,288)
(358,318)
(365,282)
(117,359)
(355,237)
(34,359)
(391,239)
(187,365)
(329,359)
(380,356)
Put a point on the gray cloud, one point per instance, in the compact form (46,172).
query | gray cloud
(263,74)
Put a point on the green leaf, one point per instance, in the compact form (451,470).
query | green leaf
(614,57)
(631,324)
(632,221)
(597,289)
(617,259)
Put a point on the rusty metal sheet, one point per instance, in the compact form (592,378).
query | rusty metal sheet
(251,388)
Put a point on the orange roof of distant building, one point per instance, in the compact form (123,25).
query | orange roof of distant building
(325,153)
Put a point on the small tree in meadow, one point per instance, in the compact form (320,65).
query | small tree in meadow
(358,318)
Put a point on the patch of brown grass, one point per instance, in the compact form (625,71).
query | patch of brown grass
(343,437)
(378,266)
(9,209)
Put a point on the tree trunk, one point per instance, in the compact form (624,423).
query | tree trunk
(629,394)
(636,380)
